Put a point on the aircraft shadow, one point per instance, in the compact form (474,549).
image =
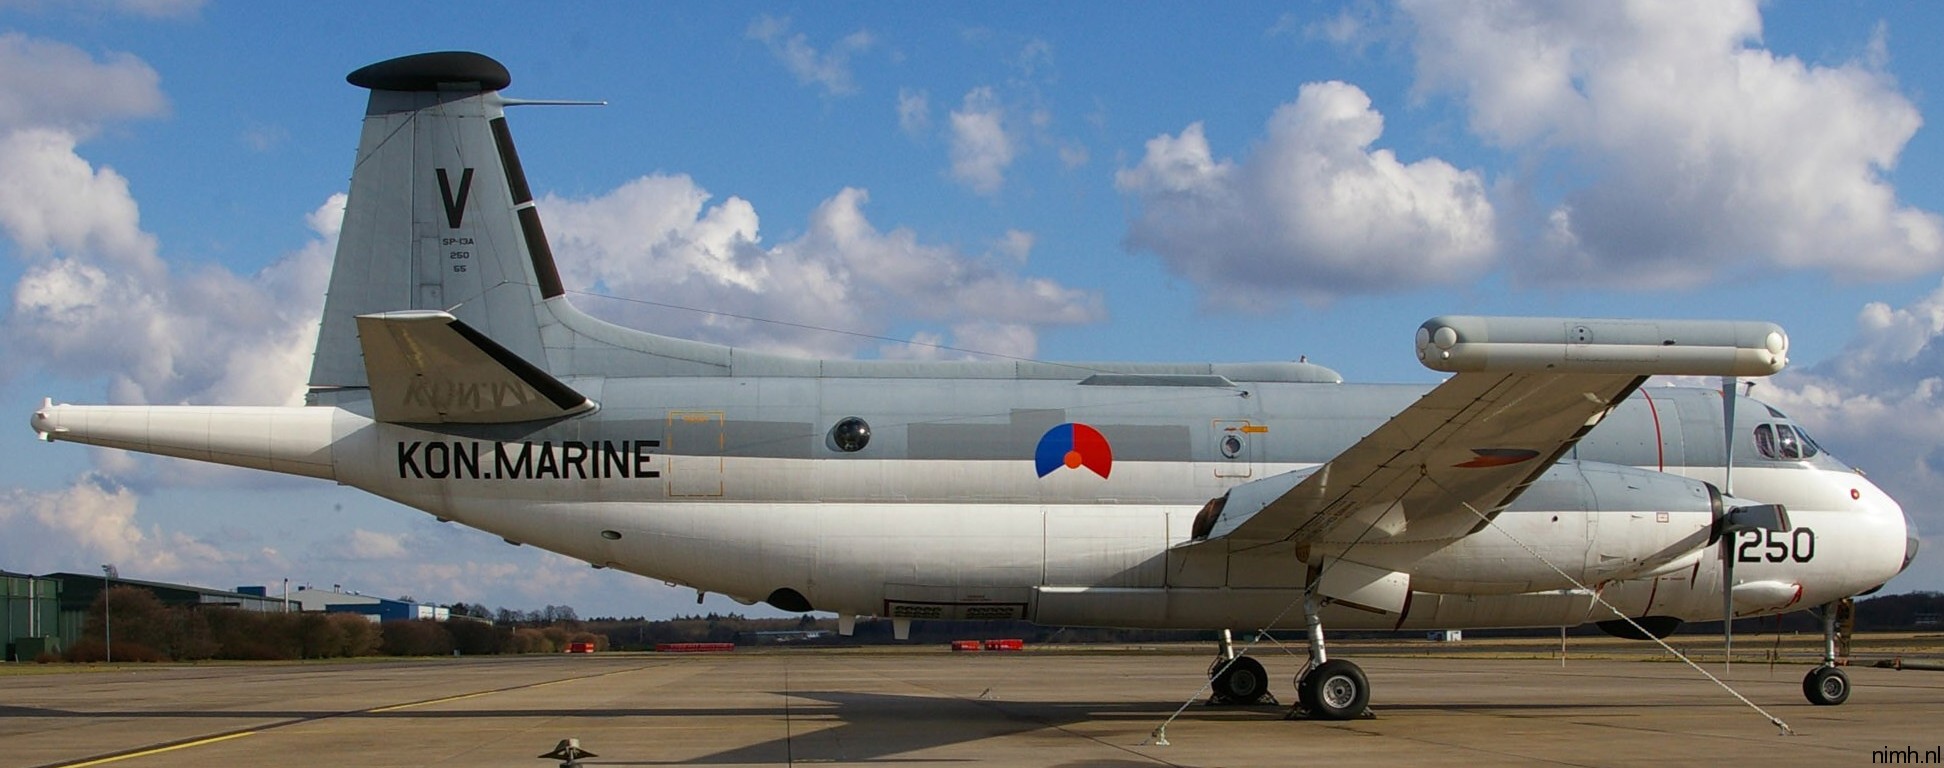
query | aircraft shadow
(869,727)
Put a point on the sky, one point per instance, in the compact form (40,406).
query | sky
(1073,181)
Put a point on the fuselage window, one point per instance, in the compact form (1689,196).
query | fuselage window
(1231,446)
(1784,443)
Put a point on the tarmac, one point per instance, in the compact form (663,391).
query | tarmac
(927,706)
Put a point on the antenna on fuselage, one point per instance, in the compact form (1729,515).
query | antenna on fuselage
(1728,537)
(1729,385)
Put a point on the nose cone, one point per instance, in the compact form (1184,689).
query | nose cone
(1880,523)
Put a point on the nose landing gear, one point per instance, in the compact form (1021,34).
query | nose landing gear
(1827,685)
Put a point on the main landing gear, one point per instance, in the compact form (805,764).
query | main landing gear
(1236,679)
(1330,689)
(1327,689)
(1827,685)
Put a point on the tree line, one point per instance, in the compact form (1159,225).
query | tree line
(146,629)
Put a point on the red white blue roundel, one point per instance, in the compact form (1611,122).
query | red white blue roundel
(1072,446)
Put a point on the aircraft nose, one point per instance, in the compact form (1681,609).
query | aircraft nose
(1910,541)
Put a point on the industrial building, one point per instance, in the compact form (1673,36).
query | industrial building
(45,614)
(378,608)
(78,592)
(31,608)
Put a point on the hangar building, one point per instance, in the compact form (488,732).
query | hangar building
(78,591)
(29,615)
(379,608)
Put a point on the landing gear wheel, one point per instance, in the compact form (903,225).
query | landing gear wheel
(1243,682)
(1826,686)
(1334,690)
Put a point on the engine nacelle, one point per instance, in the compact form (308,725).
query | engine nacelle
(1597,522)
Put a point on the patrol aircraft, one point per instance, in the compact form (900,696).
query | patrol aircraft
(453,375)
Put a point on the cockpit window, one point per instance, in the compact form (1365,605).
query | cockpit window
(1784,442)
(1809,447)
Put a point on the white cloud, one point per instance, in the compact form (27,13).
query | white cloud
(1015,341)
(829,69)
(91,9)
(55,85)
(157,9)
(95,299)
(982,148)
(1035,59)
(914,112)
(1074,155)
(52,199)
(93,520)
(361,544)
(263,137)
(1342,29)
(1313,212)
(1692,151)
(1888,382)
(1015,245)
(924,345)
(658,238)
(204,335)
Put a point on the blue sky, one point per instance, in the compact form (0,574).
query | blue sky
(1082,181)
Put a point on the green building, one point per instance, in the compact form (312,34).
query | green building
(31,606)
(78,592)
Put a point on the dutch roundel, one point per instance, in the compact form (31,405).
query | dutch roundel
(1072,446)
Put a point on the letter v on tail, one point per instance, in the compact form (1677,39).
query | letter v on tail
(455,205)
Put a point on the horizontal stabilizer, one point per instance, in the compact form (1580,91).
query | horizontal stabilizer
(427,367)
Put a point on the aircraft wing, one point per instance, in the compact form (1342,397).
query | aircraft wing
(1527,389)
(428,367)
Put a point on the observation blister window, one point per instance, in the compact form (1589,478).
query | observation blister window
(850,435)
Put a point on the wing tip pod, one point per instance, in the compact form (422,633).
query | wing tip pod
(1462,343)
(45,425)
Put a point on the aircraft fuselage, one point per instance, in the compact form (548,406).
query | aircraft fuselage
(737,486)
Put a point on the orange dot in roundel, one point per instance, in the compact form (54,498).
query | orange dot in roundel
(1073,459)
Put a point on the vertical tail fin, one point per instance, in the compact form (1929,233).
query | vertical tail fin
(440,216)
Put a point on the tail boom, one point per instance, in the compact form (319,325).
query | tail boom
(293,441)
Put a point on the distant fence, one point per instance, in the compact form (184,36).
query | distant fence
(694,647)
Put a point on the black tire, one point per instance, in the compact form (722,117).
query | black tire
(1243,682)
(1334,690)
(1826,686)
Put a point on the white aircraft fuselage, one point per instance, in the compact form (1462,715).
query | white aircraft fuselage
(453,376)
